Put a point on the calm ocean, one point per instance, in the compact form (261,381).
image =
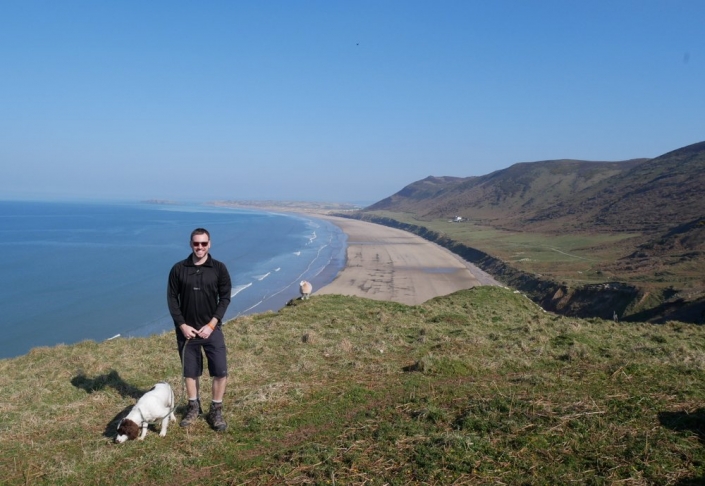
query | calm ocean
(76,271)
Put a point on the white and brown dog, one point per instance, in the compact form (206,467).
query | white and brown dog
(305,288)
(155,405)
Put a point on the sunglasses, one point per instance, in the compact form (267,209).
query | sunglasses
(200,243)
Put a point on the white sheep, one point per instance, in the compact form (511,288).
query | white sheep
(305,288)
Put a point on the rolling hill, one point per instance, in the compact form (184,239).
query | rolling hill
(510,197)
(650,211)
(651,197)
(640,195)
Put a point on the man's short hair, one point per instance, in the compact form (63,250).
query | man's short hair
(200,231)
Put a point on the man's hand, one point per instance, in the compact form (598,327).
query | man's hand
(208,329)
(204,332)
(188,331)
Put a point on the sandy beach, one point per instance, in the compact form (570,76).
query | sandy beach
(390,264)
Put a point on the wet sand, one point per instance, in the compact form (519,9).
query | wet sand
(390,264)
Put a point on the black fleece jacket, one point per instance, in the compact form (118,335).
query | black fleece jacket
(197,293)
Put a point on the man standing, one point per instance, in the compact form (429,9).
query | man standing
(198,294)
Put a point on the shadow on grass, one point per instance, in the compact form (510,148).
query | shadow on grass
(111,380)
(690,482)
(684,421)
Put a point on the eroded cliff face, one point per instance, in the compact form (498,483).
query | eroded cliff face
(604,300)
(598,300)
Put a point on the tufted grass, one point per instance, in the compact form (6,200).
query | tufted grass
(479,387)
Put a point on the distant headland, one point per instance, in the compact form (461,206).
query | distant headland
(295,206)
(159,201)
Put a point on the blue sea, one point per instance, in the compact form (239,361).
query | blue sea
(77,271)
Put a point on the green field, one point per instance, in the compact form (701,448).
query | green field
(479,387)
(575,258)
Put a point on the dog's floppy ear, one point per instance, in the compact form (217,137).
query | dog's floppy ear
(129,428)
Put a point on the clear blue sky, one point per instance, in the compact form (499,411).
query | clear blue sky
(344,101)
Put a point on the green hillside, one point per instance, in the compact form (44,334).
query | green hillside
(577,224)
(479,387)
(638,196)
(510,197)
(651,197)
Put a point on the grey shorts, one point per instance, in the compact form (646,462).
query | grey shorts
(191,353)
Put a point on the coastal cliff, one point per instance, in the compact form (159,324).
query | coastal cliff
(604,300)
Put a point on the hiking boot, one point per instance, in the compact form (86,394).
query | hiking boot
(215,417)
(192,413)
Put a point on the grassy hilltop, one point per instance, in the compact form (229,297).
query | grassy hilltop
(479,387)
